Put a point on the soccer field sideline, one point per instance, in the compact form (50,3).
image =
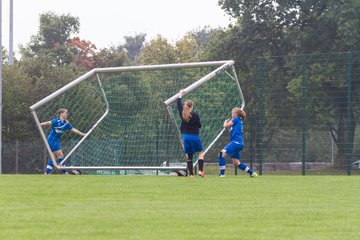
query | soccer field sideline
(164,207)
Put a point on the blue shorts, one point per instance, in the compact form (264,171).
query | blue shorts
(192,144)
(54,146)
(233,149)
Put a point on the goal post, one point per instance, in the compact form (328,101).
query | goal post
(232,95)
(121,110)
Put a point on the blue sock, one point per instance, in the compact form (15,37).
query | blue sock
(49,167)
(245,168)
(222,164)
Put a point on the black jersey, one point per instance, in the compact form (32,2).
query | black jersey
(192,127)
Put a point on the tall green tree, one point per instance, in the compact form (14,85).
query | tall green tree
(112,57)
(158,51)
(186,49)
(16,101)
(24,83)
(52,38)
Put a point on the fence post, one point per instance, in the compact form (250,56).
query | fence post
(17,158)
(349,111)
(252,138)
(260,113)
(303,113)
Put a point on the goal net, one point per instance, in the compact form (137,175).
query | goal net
(130,117)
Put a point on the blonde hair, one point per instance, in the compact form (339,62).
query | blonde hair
(240,113)
(186,113)
(61,110)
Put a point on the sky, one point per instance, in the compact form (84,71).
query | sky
(105,23)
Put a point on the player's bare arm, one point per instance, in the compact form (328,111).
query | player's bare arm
(48,123)
(228,123)
(74,130)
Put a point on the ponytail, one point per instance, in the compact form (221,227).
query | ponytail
(240,113)
(186,113)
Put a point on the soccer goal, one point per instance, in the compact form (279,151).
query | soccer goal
(214,96)
(129,115)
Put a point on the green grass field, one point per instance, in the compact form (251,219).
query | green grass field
(166,207)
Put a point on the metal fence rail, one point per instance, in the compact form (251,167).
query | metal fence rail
(308,110)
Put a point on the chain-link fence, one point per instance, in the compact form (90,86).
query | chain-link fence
(307,113)
(306,120)
(23,157)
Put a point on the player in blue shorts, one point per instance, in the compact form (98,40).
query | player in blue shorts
(236,142)
(190,128)
(59,126)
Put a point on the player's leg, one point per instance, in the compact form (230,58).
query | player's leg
(230,150)
(60,156)
(189,164)
(197,146)
(243,166)
(49,167)
(233,150)
(54,146)
(189,151)
(201,164)
(222,162)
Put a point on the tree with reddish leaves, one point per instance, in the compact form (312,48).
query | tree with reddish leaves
(85,55)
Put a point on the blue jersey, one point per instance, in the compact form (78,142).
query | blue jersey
(58,127)
(236,134)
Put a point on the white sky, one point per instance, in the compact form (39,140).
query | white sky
(106,22)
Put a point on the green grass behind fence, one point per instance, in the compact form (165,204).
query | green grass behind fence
(165,207)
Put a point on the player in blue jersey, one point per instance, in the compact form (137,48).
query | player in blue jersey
(236,142)
(59,126)
(190,126)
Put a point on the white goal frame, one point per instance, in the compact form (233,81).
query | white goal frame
(222,66)
(192,87)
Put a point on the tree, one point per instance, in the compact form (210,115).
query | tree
(285,27)
(52,38)
(323,27)
(112,57)
(24,83)
(186,49)
(84,53)
(16,100)
(133,45)
(158,51)
(203,35)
